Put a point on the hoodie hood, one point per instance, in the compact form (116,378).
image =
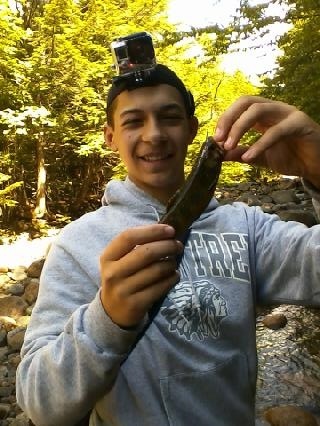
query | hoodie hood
(126,195)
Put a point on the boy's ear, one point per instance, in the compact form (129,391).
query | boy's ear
(194,125)
(108,137)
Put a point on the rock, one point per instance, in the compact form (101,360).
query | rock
(3,337)
(18,274)
(15,289)
(31,292)
(3,353)
(23,321)
(29,310)
(4,410)
(267,208)
(15,338)
(4,279)
(3,371)
(285,184)
(21,420)
(249,198)
(301,195)
(7,323)
(275,321)
(284,196)
(266,199)
(34,270)
(14,360)
(307,218)
(244,186)
(5,390)
(12,306)
(254,201)
(27,281)
(289,416)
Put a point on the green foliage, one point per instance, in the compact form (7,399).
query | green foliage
(19,122)
(297,78)
(6,199)
(55,71)
(234,172)
(11,65)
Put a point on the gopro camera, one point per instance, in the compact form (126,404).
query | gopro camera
(133,55)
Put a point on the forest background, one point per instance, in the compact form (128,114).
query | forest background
(56,68)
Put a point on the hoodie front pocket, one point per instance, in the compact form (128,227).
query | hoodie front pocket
(221,395)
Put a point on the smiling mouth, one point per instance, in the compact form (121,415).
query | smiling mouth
(155,157)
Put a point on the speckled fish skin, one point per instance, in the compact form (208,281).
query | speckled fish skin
(192,198)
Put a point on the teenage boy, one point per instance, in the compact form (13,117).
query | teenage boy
(87,346)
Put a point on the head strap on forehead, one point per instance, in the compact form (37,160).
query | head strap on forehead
(160,74)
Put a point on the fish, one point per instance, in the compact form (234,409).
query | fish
(192,198)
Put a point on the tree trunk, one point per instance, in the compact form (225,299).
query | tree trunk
(87,179)
(40,209)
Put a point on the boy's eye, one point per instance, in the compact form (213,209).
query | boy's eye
(172,117)
(132,122)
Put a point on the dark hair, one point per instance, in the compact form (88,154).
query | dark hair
(158,75)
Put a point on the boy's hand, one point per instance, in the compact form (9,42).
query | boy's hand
(289,142)
(137,268)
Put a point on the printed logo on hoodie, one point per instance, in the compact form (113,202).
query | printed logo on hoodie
(195,307)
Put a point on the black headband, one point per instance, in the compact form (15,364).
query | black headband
(158,75)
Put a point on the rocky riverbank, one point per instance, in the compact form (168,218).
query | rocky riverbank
(288,350)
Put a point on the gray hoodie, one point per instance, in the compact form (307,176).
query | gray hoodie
(196,362)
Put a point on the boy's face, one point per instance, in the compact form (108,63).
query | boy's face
(152,132)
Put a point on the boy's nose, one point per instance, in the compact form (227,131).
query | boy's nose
(152,131)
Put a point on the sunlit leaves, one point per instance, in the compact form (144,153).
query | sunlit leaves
(55,71)
(297,78)
(18,121)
